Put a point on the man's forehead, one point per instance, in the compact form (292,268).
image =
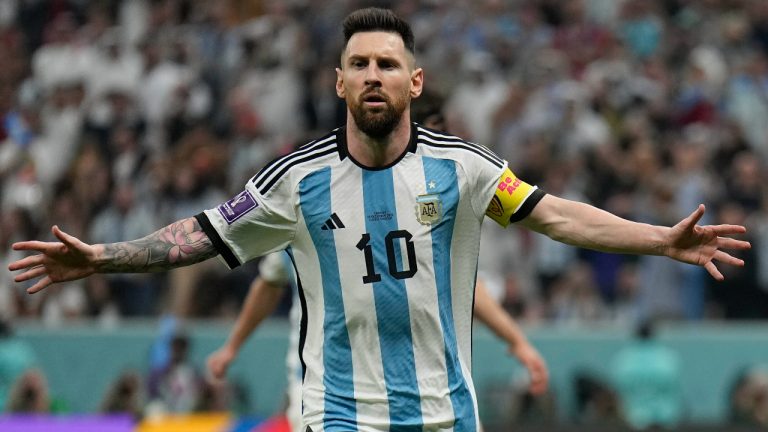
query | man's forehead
(365,42)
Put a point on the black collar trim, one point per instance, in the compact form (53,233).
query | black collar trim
(341,140)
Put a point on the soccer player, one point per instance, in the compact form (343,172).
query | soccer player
(382,220)
(274,275)
(263,297)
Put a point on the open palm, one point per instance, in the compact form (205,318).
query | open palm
(703,245)
(65,260)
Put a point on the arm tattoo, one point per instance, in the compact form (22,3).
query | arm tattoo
(179,244)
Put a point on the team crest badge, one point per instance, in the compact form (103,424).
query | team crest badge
(429,209)
(495,207)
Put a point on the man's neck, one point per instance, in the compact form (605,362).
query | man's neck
(377,152)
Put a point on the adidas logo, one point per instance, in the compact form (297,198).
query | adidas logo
(332,223)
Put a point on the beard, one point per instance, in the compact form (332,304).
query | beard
(378,122)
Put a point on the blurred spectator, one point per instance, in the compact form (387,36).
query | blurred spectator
(552,259)
(480,93)
(16,357)
(116,71)
(579,38)
(62,58)
(668,289)
(177,386)
(739,296)
(575,297)
(29,394)
(14,302)
(510,403)
(749,398)
(646,375)
(640,27)
(596,401)
(124,218)
(745,103)
(125,396)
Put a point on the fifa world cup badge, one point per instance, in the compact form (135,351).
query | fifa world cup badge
(429,209)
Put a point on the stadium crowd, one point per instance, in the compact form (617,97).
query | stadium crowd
(119,117)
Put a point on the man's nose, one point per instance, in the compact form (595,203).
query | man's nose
(372,74)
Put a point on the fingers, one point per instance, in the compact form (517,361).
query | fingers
(727,258)
(217,366)
(24,263)
(539,377)
(40,285)
(30,274)
(722,230)
(694,217)
(713,271)
(729,243)
(216,370)
(34,245)
(65,238)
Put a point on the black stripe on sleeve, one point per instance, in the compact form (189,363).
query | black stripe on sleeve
(527,206)
(465,147)
(218,243)
(263,190)
(440,137)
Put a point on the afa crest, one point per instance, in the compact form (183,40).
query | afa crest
(429,209)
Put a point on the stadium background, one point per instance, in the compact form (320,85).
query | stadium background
(119,117)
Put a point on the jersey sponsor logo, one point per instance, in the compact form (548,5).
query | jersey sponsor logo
(429,209)
(235,208)
(332,223)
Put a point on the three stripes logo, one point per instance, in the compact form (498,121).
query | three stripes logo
(332,223)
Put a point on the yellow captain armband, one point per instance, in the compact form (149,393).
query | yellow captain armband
(510,195)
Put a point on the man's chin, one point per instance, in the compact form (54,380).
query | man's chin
(378,127)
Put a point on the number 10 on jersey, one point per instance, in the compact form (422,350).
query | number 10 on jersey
(391,240)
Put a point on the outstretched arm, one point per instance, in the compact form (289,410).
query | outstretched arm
(261,301)
(585,226)
(498,320)
(178,244)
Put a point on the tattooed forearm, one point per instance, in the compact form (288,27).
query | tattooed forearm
(179,244)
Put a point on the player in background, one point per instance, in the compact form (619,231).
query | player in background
(427,110)
(275,274)
(382,219)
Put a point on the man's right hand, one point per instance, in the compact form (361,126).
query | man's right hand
(65,260)
(219,362)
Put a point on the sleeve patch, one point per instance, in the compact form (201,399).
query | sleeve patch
(235,208)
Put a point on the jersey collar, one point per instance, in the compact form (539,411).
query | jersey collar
(341,139)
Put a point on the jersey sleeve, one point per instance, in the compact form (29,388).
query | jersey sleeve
(272,269)
(513,199)
(250,224)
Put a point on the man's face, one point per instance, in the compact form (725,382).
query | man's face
(377,79)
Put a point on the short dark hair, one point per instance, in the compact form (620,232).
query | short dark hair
(378,19)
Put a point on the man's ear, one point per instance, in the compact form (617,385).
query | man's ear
(417,82)
(340,83)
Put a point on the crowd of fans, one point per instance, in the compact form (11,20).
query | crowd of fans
(119,117)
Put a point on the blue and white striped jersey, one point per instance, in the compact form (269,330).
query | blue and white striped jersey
(386,261)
